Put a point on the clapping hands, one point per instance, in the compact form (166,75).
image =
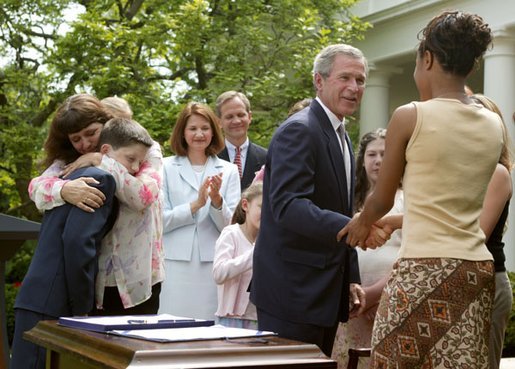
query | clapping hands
(210,188)
(215,183)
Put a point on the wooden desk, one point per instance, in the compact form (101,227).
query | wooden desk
(69,348)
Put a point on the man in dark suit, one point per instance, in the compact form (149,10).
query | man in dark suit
(233,109)
(61,277)
(303,279)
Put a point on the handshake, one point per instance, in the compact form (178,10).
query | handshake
(369,236)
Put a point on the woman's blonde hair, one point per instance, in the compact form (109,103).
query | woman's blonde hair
(253,191)
(117,106)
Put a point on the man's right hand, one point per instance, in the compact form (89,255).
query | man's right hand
(377,237)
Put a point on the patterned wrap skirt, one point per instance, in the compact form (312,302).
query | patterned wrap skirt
(434,313)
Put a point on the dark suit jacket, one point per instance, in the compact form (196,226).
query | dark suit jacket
(61,277)
(256,156)
(300,273)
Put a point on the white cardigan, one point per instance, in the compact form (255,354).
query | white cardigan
(180,188)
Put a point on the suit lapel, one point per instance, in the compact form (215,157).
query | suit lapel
(224,154)
(334,151)
(212,167)
(186,172)
(250,164)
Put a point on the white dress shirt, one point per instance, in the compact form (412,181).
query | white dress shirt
(231,151)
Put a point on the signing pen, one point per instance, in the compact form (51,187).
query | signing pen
(175,320)
(136,321)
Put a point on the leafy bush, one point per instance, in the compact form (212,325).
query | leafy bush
(16,268)
(11,289)
(509,338)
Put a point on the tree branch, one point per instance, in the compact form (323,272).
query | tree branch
(135,5)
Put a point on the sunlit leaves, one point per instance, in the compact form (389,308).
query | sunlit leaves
(158,54)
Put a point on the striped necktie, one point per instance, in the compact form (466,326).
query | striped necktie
(237,160)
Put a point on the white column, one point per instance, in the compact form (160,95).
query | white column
(374,111)
(499,82)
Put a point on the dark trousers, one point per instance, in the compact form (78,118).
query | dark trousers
(113,303)
(323,337)
(25,354)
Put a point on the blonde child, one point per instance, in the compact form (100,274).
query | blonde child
(232,264)
(117,106)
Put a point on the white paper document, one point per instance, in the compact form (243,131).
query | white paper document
(132,322)
(191,333)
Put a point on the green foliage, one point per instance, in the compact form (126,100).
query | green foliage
(18,265)
(509,338)
(16,268)
(11,290)
(158,55)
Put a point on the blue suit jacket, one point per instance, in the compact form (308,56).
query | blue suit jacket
(300,273)
(256,156)
(61,277)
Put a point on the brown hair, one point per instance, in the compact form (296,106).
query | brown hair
(73,115)
(506,158)
(253,191)
(123,132)
(362,183)
(177,141)
(456,39)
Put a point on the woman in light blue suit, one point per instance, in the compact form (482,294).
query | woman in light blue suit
(200,194)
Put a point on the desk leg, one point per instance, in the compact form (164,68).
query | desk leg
(52,360)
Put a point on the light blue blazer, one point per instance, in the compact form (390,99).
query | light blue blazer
(180,188)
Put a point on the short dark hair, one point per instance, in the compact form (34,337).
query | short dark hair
(457,40)
(362,183)
(123,132)
(177,140)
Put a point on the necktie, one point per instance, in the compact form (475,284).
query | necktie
(346,155)
(237,160)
